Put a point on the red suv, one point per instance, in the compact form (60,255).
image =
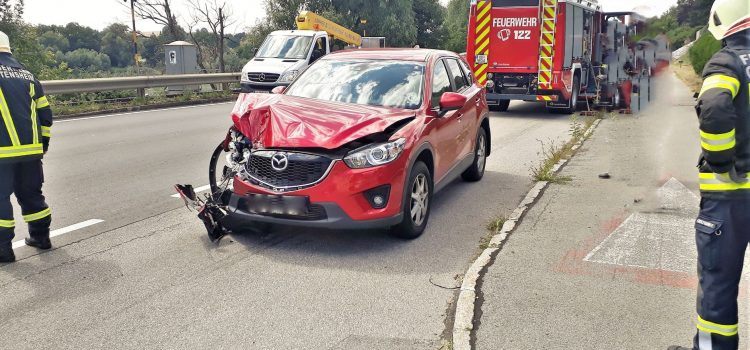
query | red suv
(362,139)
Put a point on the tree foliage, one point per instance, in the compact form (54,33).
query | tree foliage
(117,44)
(702,51)
(456,25)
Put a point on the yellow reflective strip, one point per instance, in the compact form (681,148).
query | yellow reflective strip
(42,102)
(480,70)
(485,22)
(34,128)
(482,35)
(709,330)
(484,11)
(725,187)
(718,148)
(7,223)
(481,48)
(710,327)
(46,131)
(37,216)
(719,137)
(20,151)
(728,327)
(5,111)
(721,82)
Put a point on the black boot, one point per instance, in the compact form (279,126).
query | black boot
(6,253)
(39,234)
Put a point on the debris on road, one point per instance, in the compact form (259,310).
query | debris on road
(605,176)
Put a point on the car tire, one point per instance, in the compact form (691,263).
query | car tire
(416,204)
(502,106)
(476,171)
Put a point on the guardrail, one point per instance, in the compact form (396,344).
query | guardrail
(56,87)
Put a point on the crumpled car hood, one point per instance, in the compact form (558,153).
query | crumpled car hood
(279,121)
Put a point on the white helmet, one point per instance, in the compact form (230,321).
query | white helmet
(4,43)
(729,17)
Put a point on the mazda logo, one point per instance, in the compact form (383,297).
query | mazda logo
(262,77)
(279,161)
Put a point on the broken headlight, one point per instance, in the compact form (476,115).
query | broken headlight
(375,155)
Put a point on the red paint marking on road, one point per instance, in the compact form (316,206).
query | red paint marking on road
(573,263)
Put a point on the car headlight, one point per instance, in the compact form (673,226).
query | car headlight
(375,155)
(289,76)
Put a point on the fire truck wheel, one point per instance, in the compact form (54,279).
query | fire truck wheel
(501,106)
(572,104)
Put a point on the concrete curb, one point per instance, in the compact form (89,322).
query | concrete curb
(463,323)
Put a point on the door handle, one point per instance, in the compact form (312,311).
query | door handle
(459,116)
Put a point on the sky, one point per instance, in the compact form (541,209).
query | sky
(100,13)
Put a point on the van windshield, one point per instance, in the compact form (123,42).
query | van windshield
(285,46)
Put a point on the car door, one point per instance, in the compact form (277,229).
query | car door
(448,126)
(464,140)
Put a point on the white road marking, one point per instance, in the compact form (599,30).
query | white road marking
(197,190)
(655,240)
(64,230)
(137,112)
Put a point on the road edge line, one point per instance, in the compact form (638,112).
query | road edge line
(463,321)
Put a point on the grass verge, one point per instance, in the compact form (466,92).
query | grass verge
(65,110)
(683,69)
(553,153)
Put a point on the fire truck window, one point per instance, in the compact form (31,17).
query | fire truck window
(457,74)
(441,83)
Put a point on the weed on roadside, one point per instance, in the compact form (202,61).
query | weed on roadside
(447,345)
(553,153)
(493,228)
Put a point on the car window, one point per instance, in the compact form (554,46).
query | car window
(441,83)
(468,72)
(397,84)
(457,74)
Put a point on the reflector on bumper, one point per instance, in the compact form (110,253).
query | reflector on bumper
(546,98)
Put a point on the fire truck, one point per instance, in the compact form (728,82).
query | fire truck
(568,54)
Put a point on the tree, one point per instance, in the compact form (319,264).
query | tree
(54,41)
(160,12)
(23,41)
(117,44)
(456,25)
(428,15)
(81,37)
(87,60)
(217,17)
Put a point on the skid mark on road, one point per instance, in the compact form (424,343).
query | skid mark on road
(64,230)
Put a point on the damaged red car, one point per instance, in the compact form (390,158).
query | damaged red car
(362,139)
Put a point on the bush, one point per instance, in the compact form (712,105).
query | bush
(702,51)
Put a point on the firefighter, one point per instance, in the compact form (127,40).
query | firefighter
(25,122)
(723,226)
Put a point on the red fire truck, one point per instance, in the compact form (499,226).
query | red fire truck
(565,53)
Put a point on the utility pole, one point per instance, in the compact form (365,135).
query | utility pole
(136,56)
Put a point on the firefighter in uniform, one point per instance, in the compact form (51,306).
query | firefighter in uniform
(723,226)
(26,119)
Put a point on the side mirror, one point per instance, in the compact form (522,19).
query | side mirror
(278,90)
(451,101)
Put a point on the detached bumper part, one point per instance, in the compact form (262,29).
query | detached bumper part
(243,211)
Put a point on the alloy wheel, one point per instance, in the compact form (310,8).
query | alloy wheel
(420,197)
(481,153)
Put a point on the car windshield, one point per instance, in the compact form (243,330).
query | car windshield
(285,46)
(368,82)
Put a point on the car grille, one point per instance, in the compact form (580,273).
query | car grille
(263,77)
(302,171)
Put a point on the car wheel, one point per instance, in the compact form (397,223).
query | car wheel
(476,170)
(502,106)
(416,205)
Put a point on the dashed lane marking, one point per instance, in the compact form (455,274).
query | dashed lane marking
(62,231)
(197,190)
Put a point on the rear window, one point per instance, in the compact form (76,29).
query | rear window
(514,3)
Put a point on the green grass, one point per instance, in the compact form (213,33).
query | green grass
(493,228)
(62,109)
(553,153)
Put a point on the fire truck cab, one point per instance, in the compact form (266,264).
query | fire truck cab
(561,52)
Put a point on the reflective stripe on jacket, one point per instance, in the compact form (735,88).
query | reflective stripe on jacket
(25,114)
(724,112)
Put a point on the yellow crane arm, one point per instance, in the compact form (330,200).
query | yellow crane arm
(310,21)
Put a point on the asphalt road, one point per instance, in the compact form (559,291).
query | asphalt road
(147,277)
